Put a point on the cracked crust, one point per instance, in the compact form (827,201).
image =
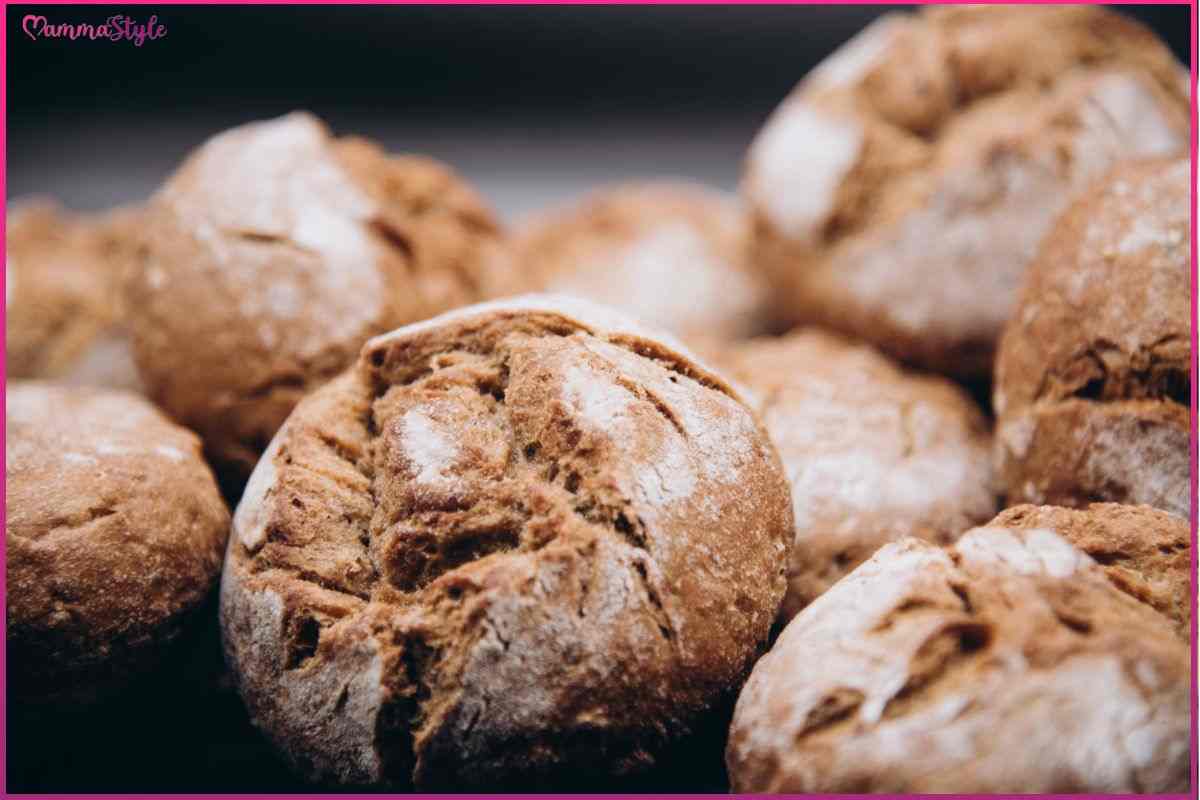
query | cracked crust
(669,253)
(526,543)
(114,532)
(902,189)
(1006,663)
(873,453)
(1093,380)
(1146,553)
(273,253)
(63,274)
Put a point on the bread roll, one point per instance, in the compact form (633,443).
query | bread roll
(901,191)
(522,544)
(873,452)
(62,280)
(274,252)
(114,532)
(1007,663)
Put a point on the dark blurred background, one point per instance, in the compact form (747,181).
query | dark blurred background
(533,105)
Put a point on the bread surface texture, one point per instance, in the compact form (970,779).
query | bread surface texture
(670,253)
(1093,379)
(1145,552)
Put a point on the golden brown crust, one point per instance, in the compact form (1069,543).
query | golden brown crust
(669,253)
(114,531)
(1006,663)
(873,452)
(63,274)
(1146,553)
(903,188)
(274,252)
(1093,383)
(523,543)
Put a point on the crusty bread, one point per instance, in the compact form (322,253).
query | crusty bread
(1146,553)
(1006,663)
(114,531)
(273,253)
(873,453)
(903,188)
(1093,379)
(62,276)
(521,544)
(670,253)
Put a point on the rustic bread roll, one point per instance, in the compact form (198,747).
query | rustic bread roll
(1006,663)
(1146,553)
(669,253)
(900,192)
(114,531)
(873,453)
(274,252)
(1093,379)
(62,298)
(520,544)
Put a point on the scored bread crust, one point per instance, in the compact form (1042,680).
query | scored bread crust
(873,452)
(524,543)
(670,253)
(114,531)
(1005,663)
(902,189)
(1093,377)
(273,253)
(1145,552)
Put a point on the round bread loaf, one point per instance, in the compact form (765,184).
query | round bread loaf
(1007,663)
(273,253)
(901,191)
(1146,553)
(1093,379)
(521,544)
(62,295)
(668,253)
(114,532)
(873,453)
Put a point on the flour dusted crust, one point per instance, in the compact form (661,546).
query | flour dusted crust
(1006,663)
(274,252)
(670,253)
(1146,553)
(902,189)
(114,532)
(1093,378)
(62,275)
(873,453)
(524,543)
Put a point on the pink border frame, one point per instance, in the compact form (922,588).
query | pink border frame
(1195,448)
